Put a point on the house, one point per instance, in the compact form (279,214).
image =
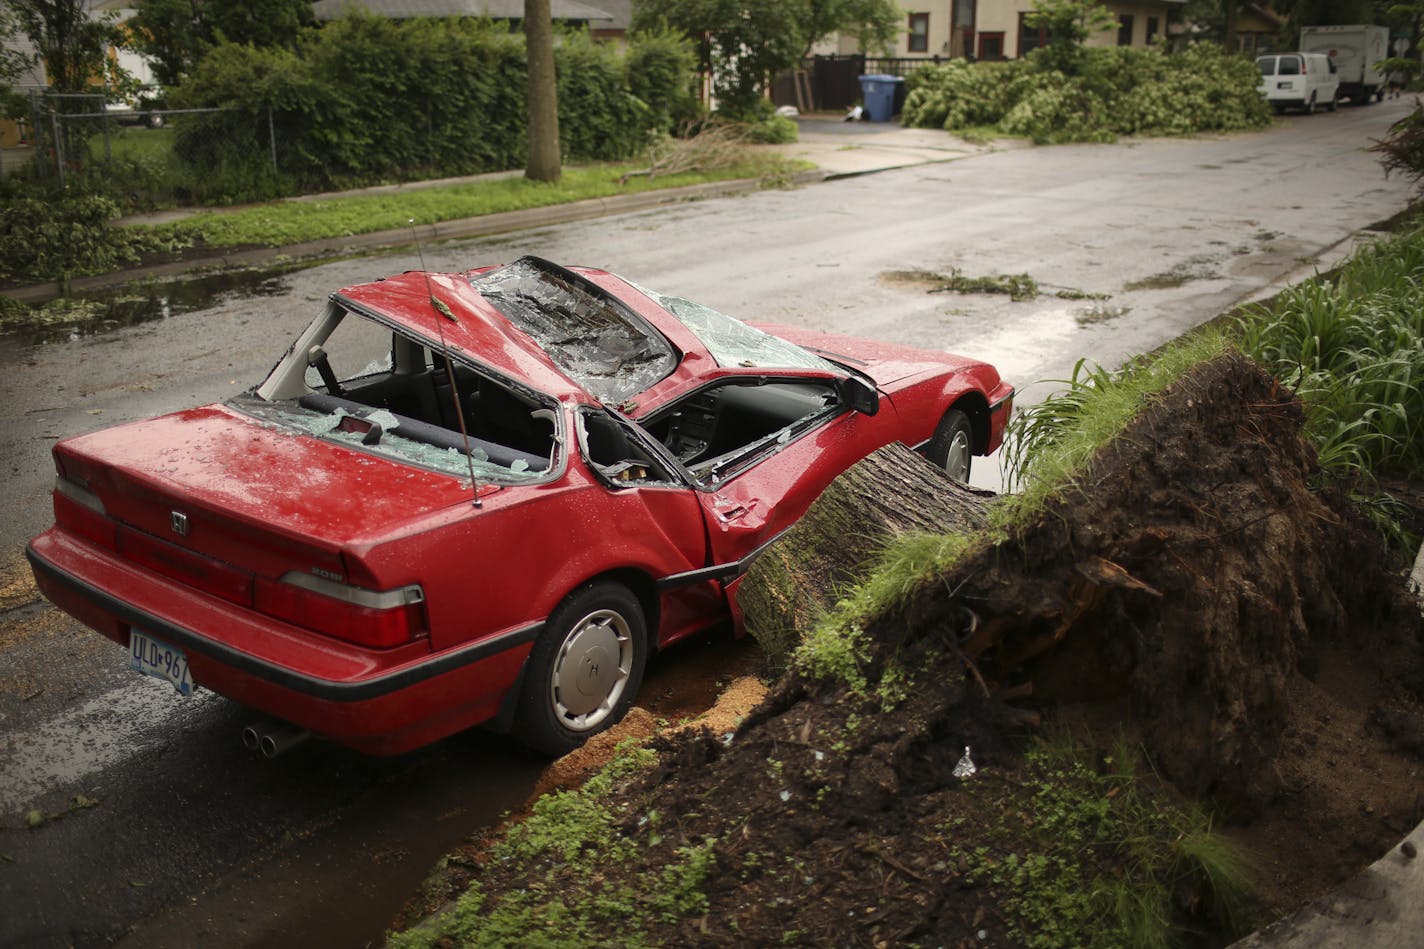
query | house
(995,29)
(1257,27)
(564,11)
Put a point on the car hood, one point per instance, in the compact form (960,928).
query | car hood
(886,363)
(239,484)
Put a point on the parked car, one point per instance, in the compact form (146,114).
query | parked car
(145,107)
(1299,80)
(480,497)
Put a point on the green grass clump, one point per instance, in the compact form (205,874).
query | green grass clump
(563,900)
(294,222)
(1352,346)
(1105,860)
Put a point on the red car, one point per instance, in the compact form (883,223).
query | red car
(480,497)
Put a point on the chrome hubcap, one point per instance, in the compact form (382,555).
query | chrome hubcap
(956,459)
(591,670)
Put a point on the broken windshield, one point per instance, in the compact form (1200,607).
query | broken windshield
(733,343)
(592,337)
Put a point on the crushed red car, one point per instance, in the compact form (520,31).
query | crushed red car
(478,498)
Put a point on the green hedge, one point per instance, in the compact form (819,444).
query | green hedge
(1113,91)
(366,99)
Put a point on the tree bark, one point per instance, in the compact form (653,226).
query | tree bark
(892,491)
(544,163)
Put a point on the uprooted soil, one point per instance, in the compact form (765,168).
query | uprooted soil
(1191,595)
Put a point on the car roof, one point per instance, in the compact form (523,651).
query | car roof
(472,326)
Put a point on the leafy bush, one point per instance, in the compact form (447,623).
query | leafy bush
(1110,91)
(773,130)
(661,66)
(368,99)
(64,235)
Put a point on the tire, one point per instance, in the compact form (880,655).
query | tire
(1334,102)
(153,120)
(1310,106)
(584,670)
(952,445)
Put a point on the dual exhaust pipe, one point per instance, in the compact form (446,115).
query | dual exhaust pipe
(273,738)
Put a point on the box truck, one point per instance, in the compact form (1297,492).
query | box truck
(1355,50)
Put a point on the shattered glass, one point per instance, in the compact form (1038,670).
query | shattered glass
(732,342)
(594,339)
(302,421)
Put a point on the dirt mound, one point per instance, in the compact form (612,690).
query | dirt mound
(1191,593)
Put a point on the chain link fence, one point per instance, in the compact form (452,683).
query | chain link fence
(137,149)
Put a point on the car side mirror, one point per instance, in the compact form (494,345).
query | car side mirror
(860,395)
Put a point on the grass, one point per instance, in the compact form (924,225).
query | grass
(283,223)
(564,900)
(1100,856)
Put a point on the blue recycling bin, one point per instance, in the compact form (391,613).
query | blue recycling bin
(878,94)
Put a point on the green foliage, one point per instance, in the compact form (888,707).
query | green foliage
(773,130)
(72,38)
(834,652)
(1067,24)
(1105,92)
(58,237)
(563,899)
(1352,346)
(1049,444)
(661,66)
(368,99)
(744,44)
(293,222)
(1105,862)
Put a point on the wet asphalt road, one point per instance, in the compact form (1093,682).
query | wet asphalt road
(171,834)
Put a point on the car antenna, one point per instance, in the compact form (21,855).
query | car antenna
(442,309)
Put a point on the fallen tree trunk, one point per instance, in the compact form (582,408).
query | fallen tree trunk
(890,492)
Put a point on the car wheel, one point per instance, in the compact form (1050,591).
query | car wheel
(1334,102)
(584,670)
(952,445)
(154,120)
(1310,106)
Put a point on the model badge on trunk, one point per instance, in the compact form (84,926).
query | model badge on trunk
(179,523)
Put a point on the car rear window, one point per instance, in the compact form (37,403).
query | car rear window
(1290,66)
(1267,65)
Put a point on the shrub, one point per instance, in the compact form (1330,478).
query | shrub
(661,68)
(367,99)
(1109,91)
(62,235)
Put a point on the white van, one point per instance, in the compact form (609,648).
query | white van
(1300,80)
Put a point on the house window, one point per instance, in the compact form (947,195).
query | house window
(1124,29)
(1030,37)
(1151,29)
(919,38)
(991,46)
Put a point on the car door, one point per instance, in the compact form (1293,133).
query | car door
(750,501)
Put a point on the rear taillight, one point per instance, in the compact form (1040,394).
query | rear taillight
(78,509)
(379,619)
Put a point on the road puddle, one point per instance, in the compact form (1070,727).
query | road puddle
(96,312)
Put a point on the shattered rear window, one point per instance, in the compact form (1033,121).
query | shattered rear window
(733,343)
(593,338)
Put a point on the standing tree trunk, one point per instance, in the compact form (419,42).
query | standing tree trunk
(1228,32)
(544,163)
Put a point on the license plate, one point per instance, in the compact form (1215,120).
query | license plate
(155,658)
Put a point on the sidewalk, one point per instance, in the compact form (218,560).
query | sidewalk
(837,149)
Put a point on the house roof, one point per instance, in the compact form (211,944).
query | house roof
(494,9)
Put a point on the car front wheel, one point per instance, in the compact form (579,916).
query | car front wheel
(952,445)
(584,669)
